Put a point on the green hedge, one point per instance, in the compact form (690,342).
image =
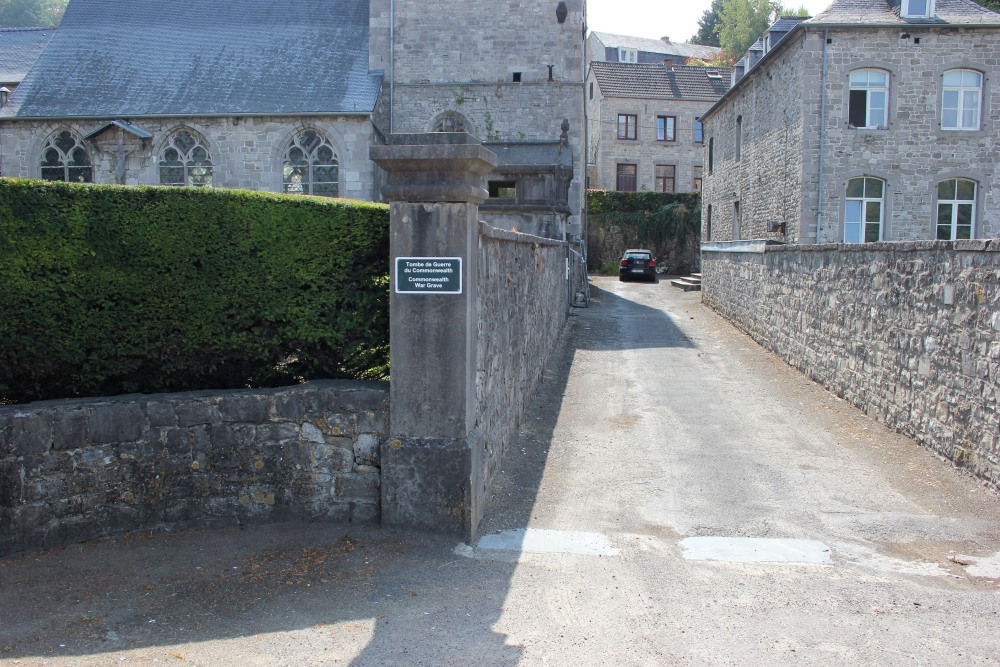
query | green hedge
(107,290)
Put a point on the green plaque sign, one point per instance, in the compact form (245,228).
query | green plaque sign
(428,275)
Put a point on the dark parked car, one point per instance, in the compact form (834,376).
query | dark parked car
(637,264)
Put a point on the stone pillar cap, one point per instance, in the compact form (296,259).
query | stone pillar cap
(435,167)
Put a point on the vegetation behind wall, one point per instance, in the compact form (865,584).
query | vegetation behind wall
(666,223)
(107,290)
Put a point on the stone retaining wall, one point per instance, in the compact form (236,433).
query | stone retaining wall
(523,304)
(908,332)
(75,470)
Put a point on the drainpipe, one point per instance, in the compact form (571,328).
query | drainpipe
(392,63)
(822,139)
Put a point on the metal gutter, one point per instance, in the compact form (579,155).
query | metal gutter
(822,139)
(392,63)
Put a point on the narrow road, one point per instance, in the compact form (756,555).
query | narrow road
(677,496)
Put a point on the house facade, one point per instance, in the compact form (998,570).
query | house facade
(289,101)
(644,125)
(873,121)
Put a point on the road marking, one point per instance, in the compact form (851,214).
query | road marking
(532,540)
(756,550)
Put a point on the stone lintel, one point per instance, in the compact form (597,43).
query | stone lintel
(435,167)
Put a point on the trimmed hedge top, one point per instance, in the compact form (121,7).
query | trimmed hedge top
(107,290)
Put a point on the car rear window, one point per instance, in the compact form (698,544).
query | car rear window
(636,255)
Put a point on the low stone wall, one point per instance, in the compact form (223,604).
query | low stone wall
(907,332)
(523,305)
(75,470)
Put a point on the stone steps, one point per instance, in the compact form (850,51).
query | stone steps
(690,283)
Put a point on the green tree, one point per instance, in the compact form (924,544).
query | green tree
(788,11)
(708,26)
(990,4)
(742,22)
(39,13)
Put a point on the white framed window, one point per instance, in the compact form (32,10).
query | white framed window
(627,126)
(666,128)
(868,105)
(864,210)
(665,178)
(185,160)
(310,166)
(628,55)
(917,9)
(961,99)
(65,158)
(956,209)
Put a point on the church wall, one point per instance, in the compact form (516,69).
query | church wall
(246,152)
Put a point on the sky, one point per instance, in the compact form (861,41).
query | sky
(676,19)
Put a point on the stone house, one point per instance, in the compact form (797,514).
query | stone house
(238,94)
(644,125)
(607,47)
(873,121)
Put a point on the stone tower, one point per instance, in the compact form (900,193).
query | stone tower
(502,71)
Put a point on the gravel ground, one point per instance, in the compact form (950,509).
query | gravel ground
(656,423)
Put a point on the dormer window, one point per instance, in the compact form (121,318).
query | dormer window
(628,55)
(917,9)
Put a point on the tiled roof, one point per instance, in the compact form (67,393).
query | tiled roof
(682,49)
(19,48)
(133,58)
(659,82)
(886,12)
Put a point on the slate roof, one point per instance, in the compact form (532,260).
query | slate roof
(886,12)
(135,58)
(658,82)
(19,48)
(649,45)
(786,23)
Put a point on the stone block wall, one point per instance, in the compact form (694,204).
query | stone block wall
(799,150)
(523,305)
(908,332)
(246,153)
(75,470)
(766,180)
(913,153)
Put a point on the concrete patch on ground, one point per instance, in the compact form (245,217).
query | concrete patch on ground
(531,540)
(866,557)
(987,568)
(756,550)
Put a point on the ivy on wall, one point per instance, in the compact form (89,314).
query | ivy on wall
(667,223)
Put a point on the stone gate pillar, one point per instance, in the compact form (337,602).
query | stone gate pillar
(432,465)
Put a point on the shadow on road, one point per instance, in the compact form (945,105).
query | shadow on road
(306,593)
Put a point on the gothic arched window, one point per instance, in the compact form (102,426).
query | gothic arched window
(65,158)
(310,166)
(185,160)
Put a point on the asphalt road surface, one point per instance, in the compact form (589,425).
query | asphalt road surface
(677,496)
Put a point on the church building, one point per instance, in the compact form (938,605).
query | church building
(290,97)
